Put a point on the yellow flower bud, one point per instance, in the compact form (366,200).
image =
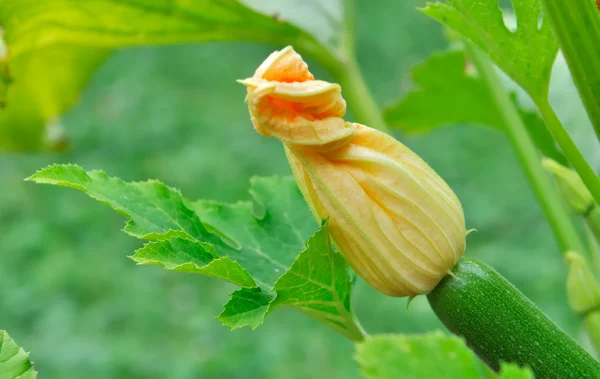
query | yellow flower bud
(394,219)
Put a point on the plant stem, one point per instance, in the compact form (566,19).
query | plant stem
(592,218)
(546,193)
(592,325)
(576,25)
(359,97)
(348,38)
(354,330)
(570,150)
(592,222)
(346,71)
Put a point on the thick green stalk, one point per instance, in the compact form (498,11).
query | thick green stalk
(547,195)
(576,24)
(572,153)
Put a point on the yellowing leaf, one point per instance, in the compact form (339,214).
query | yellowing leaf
(32,24)
(42,85)
(54,46)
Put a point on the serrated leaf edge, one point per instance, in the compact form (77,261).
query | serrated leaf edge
(20,354)
(144,261)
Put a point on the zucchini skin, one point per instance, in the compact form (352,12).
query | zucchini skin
(500,324)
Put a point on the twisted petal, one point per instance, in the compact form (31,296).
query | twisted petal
(284,66)
(287,103)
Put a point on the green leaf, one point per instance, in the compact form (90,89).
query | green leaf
(268,243)
(31,24)
(260,246)
(43,84)
(448,91)
(246,307)
(155,210)
(14,361)
(265,246)
(577,28)
(183,255)
(319,284)
(427,356)
(53,47)
(513,371)
(432,355)
(526,54)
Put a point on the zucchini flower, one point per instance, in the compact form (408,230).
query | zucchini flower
(393,218)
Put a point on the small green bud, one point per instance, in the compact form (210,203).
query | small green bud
(582,289)
(572,187)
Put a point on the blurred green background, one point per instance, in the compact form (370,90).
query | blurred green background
(72,297)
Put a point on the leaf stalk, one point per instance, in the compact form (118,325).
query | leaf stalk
(529,157)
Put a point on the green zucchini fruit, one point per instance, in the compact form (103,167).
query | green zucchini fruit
(501,325)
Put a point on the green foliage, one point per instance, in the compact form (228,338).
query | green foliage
(449,91)
(512,371)
(183,255)
(53,48)
(426,356)
(43,84)
(14,361)
(167,112)
(577,28)
(30,25)
(230,242)
(318,283)
(526,55)
(446,91)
